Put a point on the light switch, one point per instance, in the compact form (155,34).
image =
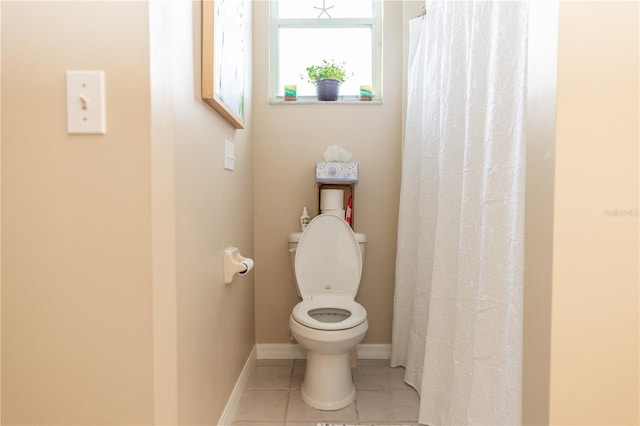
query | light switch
(86,111)
(229,155)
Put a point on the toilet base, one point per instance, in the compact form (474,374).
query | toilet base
(328,384)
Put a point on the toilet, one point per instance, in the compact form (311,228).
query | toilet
(328,322)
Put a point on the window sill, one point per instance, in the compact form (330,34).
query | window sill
(316,102)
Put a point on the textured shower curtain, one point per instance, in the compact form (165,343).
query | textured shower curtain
(459,269)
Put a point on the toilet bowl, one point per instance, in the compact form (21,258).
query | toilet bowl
(328,322)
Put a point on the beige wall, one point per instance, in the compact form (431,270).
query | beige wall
(76,277)
(542,57)
(289,140)
(114,307)
(594,346)
(213,210)
(0,214)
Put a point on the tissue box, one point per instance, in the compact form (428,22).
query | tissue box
(337,172)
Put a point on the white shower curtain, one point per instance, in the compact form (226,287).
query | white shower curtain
(459,270)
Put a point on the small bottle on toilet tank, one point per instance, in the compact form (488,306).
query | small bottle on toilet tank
(304,219)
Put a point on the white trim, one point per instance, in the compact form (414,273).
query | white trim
(274,66)
(312,100)
(325,23)
(229,413)
(378,36)
(295,351)
(374,351)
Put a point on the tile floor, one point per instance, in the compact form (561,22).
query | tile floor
(272,397)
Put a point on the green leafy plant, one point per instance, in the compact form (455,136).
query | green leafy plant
(327,71)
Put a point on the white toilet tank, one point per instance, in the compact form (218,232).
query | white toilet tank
(294,237)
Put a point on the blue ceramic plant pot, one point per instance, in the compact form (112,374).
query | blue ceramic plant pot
(327,90)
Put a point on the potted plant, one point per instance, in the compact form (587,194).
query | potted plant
(327,77)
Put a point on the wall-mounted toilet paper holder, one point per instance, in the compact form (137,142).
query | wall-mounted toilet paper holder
(235,264)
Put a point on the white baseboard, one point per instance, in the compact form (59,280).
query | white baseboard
(295,351)
(230,409)
(374,351)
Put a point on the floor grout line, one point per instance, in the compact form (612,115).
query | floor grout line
(286,406)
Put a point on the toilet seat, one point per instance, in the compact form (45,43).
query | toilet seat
(303,311)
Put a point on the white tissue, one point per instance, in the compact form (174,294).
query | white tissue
(335,153)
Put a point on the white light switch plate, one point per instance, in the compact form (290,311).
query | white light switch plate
(86,111)
(229,155)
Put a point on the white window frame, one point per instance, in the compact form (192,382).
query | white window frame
(375,23)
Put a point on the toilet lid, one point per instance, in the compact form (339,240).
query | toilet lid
(328,259)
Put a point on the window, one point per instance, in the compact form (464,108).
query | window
(304,32)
